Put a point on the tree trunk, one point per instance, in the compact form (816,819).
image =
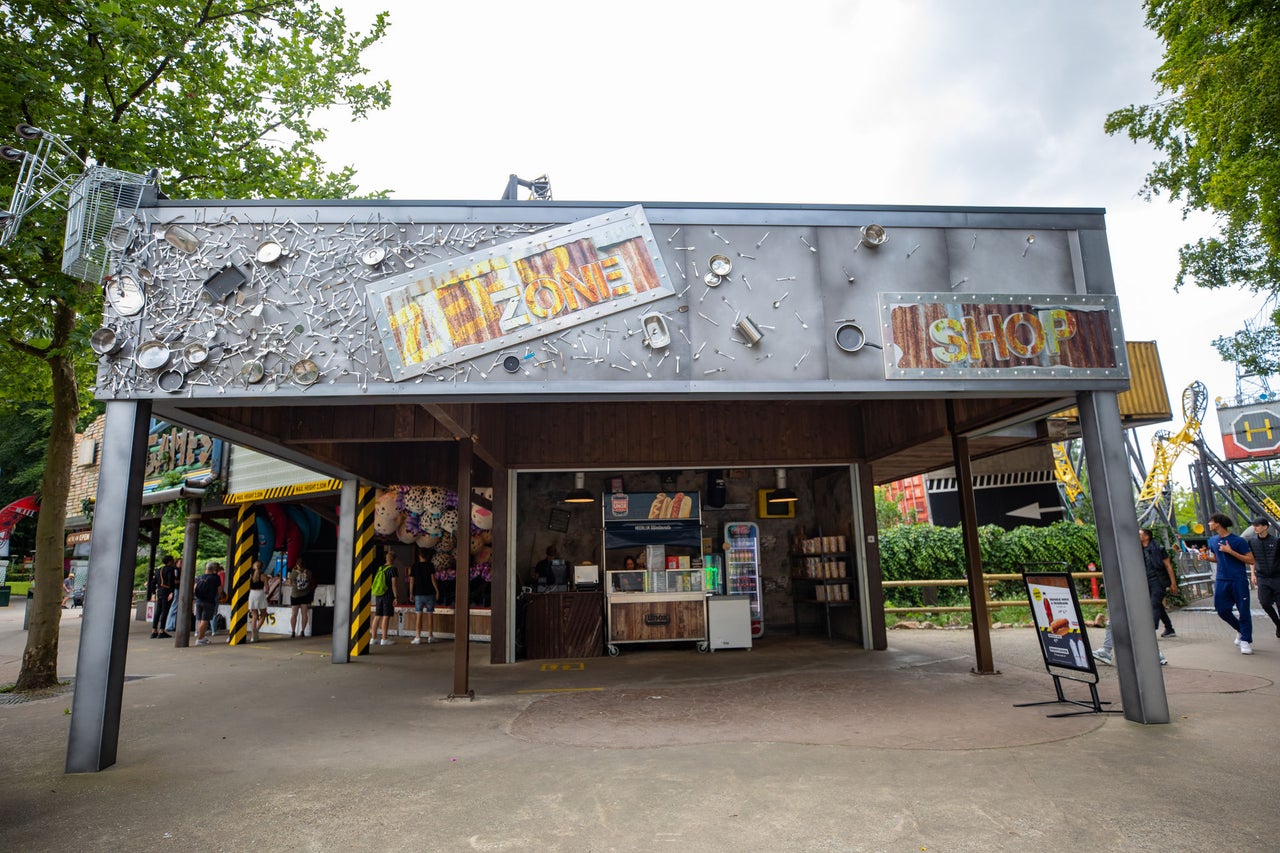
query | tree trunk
(40,657)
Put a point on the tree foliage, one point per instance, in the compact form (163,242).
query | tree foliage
(1217,124)
(218,97)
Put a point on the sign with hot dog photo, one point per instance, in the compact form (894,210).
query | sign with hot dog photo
(654,506)
(1055,608)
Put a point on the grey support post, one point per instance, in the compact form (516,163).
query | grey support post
(104,628)
(345,565)
(1128,604)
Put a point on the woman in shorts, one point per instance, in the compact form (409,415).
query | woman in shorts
(257,600)
(304,590)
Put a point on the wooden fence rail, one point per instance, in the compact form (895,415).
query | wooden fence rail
(988,579)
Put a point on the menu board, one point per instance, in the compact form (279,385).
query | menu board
(1055,610)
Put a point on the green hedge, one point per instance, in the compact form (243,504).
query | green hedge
(925,552)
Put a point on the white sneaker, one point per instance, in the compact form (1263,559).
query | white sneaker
(202,642)
(1237,640)
(1245,648)
(387,642)
(433,639)
(416,641)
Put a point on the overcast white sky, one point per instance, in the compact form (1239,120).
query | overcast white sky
(928,102)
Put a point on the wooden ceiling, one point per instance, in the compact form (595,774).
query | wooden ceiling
(417,442)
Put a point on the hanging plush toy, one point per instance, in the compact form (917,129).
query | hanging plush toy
(386,518)
(449,520)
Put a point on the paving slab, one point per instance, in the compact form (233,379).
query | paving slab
(799,744)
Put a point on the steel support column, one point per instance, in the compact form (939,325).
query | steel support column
(243,553)
(462,584)
(361,612)
(104,627)
(502,604)
(1128,603)
(344,575)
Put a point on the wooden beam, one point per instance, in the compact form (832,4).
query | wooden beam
(462,582)
(459,421)
(973,555)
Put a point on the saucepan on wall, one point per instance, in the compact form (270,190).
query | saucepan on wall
(106,341)
(874,235)
(152,355)
(171,380)
(851,338)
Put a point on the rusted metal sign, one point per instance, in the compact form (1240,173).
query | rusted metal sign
(506,296)
(982,335)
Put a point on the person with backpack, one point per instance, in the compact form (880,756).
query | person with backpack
(166,586)
(206,594)
(304,592)
(383,589)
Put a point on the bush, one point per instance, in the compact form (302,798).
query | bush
(925,552)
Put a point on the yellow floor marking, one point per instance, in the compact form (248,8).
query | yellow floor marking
(563,667)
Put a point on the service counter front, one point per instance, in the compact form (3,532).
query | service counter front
(664,600)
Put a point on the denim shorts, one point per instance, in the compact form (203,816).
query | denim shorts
(424,602)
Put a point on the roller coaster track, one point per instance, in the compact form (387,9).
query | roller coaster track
(1168,447)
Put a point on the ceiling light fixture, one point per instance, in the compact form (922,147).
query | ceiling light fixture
(782,495)
(579,495)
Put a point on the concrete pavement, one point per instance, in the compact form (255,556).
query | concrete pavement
(798,744)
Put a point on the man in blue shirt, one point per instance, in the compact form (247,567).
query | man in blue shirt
(1231,587)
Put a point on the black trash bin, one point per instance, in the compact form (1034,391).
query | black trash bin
(5,592)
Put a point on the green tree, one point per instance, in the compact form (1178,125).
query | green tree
(218,97)
(1216,124)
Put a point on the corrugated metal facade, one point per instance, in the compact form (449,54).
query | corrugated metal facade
(251,471)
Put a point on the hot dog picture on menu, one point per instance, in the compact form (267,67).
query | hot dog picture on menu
(1058,620)
(679,505)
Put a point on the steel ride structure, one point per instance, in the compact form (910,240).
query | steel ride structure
(1216,481)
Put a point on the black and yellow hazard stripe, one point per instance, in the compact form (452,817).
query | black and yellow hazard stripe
(362,572)
(315,487)
(246,540)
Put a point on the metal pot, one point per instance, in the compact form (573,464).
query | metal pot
(851,338)
(153,355)
(196,354)
(305,372)
(171,380)
(720,265)
(252,372)
(106,341)
(874,235)
(269,251)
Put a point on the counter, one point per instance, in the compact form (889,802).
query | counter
(657,617)
(564,625)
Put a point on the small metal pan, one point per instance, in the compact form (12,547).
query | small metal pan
(153,355)
(252,372)
(106,341)
(373,256)
(269,251)
(196,353)
(851,338)
(305,372)
(874,235)
(171,380)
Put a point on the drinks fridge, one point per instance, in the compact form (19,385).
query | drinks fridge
(742,568)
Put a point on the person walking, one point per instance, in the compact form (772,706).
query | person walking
(166,586)
(1266,567)
(384,593)
(257,600)
(424,589)
(1159,576)
(1161,579)
(304,591)
(206,595)
(1231,586)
